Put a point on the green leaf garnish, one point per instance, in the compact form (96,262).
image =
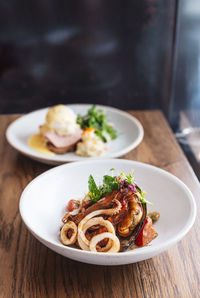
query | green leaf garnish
(97,119)
(130,177)
(105,190)
(94,192)
(122,175)
(142,194)
(111,183)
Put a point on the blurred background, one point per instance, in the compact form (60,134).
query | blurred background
(127,54)
(117,53)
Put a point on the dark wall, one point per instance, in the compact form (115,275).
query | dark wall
(116,53)
(186,72)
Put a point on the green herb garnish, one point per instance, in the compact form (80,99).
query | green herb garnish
(111,183)
(97,119)
(130,178)
(142,194)
(94,192)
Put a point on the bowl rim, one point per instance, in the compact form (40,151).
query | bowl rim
(151,249)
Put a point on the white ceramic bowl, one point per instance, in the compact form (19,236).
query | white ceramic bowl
(43,204)
(129,128)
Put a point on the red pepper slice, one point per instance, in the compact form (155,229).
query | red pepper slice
(147,233)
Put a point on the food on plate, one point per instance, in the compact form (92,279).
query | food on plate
(96,118)
(63,132)
(37,143)
(60,131)
(96,132)
(111,217)
(91,144)
(59,134)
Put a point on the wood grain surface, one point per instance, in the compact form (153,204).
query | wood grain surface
(29,269)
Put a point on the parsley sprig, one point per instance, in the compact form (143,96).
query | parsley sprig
(96,193)
(96,118)
(111,183)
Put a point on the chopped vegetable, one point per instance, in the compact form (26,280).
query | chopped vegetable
(97,119)
(72,205)
(147,233)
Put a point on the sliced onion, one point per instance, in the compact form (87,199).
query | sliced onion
(96,239)
(70,225)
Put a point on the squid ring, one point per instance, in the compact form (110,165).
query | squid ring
(91,222)
(70,225)
(102,222)
(96,213)
(115,242)
(82,243)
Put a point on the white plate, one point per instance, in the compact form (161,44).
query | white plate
(129,128)
(43,204)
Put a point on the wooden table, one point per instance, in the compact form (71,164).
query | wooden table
(29,269)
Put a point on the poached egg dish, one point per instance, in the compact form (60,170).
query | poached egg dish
(60,132)
(64,131)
